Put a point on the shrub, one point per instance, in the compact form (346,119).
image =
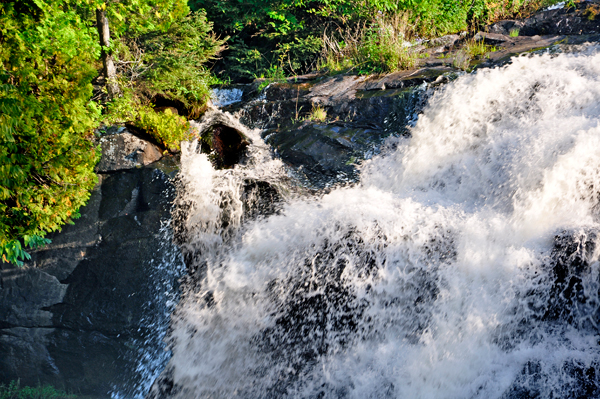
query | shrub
(167,128)
(264,30)
(47,55)
(379,47)
(173,63)
(164,65)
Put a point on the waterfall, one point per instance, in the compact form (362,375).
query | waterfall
(463,264)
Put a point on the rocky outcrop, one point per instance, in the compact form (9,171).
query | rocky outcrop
(222,137)
(123,150)
(581,18)
(77,314)
(360,112)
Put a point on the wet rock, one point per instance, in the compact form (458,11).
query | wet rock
(123,150)
(221,137)
(506,27)
(229,144)
(361,113)
(491,38)
(335,89)
(406,79)
(444,41)
(286,91)
(579,380)
(571,299)
(563,21)
(260,198)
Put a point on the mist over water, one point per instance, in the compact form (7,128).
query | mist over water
(464,264)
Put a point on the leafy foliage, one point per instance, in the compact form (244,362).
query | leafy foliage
(288,33)
(167,66)
(137,17)
(47,56)
(175,62)
(166,128)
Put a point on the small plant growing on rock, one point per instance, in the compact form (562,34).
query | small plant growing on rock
(473,49)
(478,48)
(317,114)
(514,32)
(167,128)
(592,11)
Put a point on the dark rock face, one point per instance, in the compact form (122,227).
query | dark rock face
(564,21)
(73,316)
(221,136)
(229,144)
(361,113)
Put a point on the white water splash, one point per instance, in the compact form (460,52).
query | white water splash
(432,278)
(210,197)
(223,97)
(557,6)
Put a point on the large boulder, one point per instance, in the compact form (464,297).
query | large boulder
(123,150)
(223,137)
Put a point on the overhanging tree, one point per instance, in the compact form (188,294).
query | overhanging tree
(47,56)
(50,51)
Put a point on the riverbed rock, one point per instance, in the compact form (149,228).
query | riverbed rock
(360,111)
(491,38)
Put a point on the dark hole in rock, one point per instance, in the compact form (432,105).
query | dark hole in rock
(173,110)
(229,145)
(162,103)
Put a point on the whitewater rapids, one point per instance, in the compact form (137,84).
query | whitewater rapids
(463,264)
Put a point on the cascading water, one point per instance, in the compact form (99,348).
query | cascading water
(464,264)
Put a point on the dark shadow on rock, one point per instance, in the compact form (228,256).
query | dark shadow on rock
(229,145)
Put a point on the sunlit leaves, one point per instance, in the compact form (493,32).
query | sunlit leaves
(46,162)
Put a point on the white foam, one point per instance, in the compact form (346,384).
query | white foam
(222,97)
(557,6)
(440,243)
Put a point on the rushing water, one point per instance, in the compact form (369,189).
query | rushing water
(464,264)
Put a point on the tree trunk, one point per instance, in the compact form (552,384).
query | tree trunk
(110,71)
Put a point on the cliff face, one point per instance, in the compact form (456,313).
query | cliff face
(76,315)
